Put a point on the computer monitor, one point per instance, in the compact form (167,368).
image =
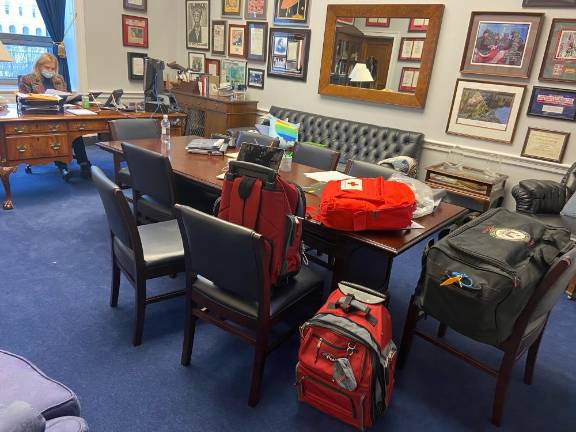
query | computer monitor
(153,78)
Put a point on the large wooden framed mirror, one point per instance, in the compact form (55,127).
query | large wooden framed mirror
(380,53)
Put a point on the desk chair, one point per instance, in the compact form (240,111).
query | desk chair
(140,252)
(526,334)
(315,156)
(153,191)
(232,290)
(131,129)
(256,138)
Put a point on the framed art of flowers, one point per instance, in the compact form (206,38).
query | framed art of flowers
(501,44)
(559,62)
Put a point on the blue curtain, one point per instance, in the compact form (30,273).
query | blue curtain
(53,12)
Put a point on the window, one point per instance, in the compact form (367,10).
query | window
(22,45)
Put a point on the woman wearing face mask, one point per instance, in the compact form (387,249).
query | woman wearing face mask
(44,77)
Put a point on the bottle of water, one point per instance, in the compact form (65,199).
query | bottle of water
(165,137)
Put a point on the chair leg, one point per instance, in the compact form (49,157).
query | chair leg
(504,374)
(189,331)
(258,367)
(115,289)
(140,312)
(442,328)
(407,334)
(531,360)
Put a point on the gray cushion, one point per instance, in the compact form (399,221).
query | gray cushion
(67,424)
(19,416)
(23,381)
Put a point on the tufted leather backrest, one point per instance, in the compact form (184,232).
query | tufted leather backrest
(353,140)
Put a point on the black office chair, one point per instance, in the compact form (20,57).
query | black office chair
(357,168)
(131,129)
(153,189)
(256,138)
(227,284)
(315,156)
(140,252)
(525,336)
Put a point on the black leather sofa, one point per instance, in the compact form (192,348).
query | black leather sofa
(354,140)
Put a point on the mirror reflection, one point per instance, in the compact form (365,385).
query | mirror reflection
(383,54)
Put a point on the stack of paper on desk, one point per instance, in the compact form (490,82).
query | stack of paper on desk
(326,176)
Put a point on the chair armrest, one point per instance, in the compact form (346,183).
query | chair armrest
(539,196)
(19,416)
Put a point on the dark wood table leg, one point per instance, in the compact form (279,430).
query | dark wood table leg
(5,176)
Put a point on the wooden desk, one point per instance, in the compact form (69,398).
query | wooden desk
(203,169)
(40,139)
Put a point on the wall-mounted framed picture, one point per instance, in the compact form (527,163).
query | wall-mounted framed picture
(501,44)
(291,12)
(212,67)
(237,40)
(411,49)
(288,53)
(219,37)
(418,25)
(377,22)
(257,39)
(554,103)
(409,79)
(485,110)
(559,62)
(137,5)
(549,3)
(256,78)
(233,72)
(135,31)
(232,8)
(545,144)
(345,20)
(136,66)
(198,24)
(196,62)
(255,9)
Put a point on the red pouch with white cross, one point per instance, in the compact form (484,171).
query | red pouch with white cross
(362,204)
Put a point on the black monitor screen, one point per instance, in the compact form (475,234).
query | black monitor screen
(153,77)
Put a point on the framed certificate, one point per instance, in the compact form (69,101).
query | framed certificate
(545,144)
(136,66)
(257,38)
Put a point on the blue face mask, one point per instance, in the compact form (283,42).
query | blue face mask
(47,74)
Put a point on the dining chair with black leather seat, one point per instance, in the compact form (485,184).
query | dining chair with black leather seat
(228,284)
(140,252)
(256,138)
(131,129)
(153,190)
(526,334)
(316,156)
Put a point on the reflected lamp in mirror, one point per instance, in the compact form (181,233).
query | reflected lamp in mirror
(4,57)
(360,74)
(379,39)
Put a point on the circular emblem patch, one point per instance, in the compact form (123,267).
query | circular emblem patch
(510,234)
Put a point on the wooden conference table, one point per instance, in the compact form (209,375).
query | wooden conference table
(203,169)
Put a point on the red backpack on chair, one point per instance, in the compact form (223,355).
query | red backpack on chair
(256,197)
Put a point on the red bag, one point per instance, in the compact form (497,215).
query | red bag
(366,204)
(256,197)
(347,357)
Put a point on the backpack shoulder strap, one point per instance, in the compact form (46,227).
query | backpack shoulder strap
(245,201)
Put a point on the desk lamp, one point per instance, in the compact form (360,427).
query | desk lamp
(4,57)
(360,74)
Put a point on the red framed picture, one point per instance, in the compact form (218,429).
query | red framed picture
(377,22)
(212,67)
(418,25)
(411,49)
(345,20)
(135,31)
(409,79)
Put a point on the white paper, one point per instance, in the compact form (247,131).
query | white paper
(232,155)
(257,41)
(80,111)
(416,225)
(57,92)
(325,176)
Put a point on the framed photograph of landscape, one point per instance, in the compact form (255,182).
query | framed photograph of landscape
(257,39)
(135,31)
(255,9)
(485,110)
(137,5)
(256,78)
(559,62)
(411,49)
(237,40)
(418,25)
(212,66)
(501,44)
(291,12)
(288,53)
(232,8)
(543,144)
(198,24)
(136,66)
(219,37)
(377,22)
(553,103)
(233,72)
(549,3)
(196,62)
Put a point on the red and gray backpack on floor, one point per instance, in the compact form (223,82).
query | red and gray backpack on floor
(347,357)
(256,197)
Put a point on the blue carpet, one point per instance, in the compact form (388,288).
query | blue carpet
(54,311)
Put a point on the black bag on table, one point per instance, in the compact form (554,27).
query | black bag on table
(478,279)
